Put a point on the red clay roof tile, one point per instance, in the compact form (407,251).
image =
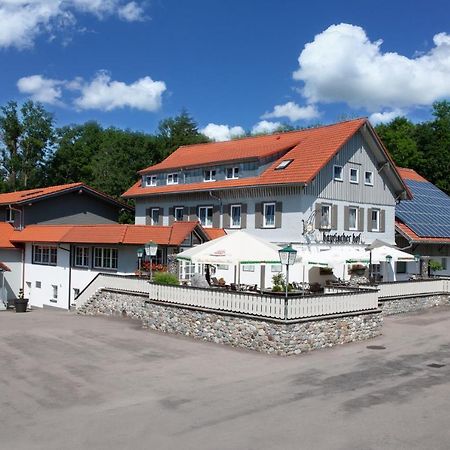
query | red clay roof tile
(6,231)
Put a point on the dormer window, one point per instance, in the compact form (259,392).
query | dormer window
(283,164)
(209,175)
(150,180)
(172,178)
(232,173)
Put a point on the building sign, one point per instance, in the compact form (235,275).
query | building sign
(218,253)
(342,238)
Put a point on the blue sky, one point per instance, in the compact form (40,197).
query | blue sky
(230,63)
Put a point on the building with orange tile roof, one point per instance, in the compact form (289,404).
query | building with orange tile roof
(423,224)
(74,203)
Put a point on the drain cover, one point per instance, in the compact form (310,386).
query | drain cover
(436,365)
(376,347)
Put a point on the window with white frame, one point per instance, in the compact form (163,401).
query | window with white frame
(105,258)
(375,220)
(172,178)
(354,175)
(400,267)
(82,256)
(10,215)
(368,178)
(269,215)
(209,175)
(352,218)
(275,268)
(55,291)
(235,216)
(44,254)
(338,173)
(283,164)
(248,268)
(151,180)
(154,216)
(232,173)
(178,214)
(325,216)
(205,215)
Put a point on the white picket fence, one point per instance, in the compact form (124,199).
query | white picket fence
(413,288)
(265,305)
(111,281)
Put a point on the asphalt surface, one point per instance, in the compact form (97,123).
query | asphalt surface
(75,382)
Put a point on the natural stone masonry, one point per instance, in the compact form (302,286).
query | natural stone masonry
(411,304)
(253,334)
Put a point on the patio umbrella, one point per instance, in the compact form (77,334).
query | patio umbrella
(379,254)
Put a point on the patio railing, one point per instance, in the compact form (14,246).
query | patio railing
(414,288)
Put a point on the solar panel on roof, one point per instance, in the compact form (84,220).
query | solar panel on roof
(428,214)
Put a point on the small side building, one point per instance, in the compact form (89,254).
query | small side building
(61,260)
(422,226)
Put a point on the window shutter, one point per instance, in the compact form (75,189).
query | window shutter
(369,219)
(382,220)
(317,217)
(278,214)
(161,216)
(226,216)
(216,216)
(148,220)
(334,217)
(361,219)
(258,215)
(346,218)
(243,215)
(193,214)
(171,215)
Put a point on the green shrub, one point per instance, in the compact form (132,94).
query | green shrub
(435,266)
(166,278)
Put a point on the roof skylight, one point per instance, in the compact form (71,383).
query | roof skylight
(283,164)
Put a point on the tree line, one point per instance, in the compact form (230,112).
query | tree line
(35,153)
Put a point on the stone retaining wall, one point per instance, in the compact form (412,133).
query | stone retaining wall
(411,304)
(253,334)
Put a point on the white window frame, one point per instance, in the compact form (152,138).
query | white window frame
(357,175)
(178,208)
(46,256)
(152,219)
(234,173)
(378,220)
(55,291)
(248,268)
(354,208)
(108,256)
(209,175)
(323,226)
(266,224)
(172,178)
(205,208)
(81,254)
(151,180)
(335,178)
(231,216)
(10,215)
(371,178)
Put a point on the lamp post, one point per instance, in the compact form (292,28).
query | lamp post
(140,254)
(417,260)
(150,250)
(287,257)
(388,260)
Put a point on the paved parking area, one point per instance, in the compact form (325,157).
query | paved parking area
(75,382)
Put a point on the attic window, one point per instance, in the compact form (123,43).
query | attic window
(283,164)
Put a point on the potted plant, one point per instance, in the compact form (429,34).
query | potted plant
(21,303)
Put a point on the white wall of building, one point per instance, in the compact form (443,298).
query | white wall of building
(13,280)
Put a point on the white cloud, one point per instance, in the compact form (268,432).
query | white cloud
(21,21)
(386,116)
(266,127)
(101,93)
(41,89)
(132,12)
(222,132)
(341,64)
(293,112)
(105,94)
